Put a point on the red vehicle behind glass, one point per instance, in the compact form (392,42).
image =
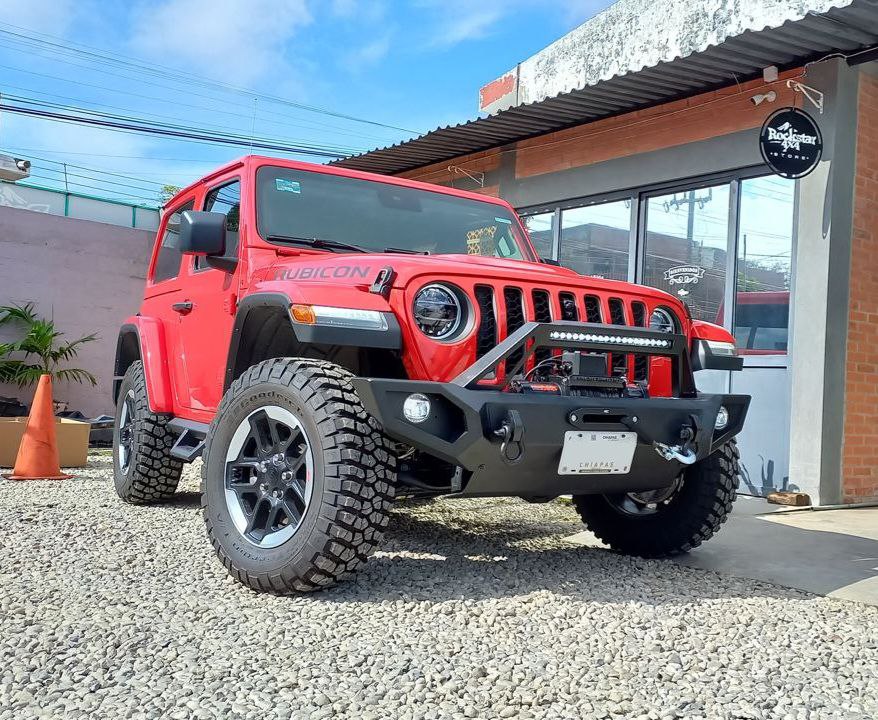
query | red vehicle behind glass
(327,340)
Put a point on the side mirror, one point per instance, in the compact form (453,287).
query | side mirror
(202,233)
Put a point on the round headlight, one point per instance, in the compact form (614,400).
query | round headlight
(662,320)
(438,312)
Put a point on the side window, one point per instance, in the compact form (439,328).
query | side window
(167,264)
(225,199)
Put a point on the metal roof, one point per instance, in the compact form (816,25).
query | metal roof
(841,29)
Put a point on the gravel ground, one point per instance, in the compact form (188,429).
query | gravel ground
(475,608)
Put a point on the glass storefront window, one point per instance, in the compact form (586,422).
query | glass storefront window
(686,240)
(595,239)
(765,249)
(539,227)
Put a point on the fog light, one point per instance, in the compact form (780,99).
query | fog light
(416,408)
(722,418)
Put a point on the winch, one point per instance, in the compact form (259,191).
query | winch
(575,373)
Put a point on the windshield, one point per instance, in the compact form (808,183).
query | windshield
(381,217)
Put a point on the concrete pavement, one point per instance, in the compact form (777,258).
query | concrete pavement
(826,552)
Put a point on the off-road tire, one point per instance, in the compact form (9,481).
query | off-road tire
(152,475)
(691,516)
(354,477)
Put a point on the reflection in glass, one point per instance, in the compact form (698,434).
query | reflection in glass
(539,227)
(595,239)
(686,241)
(765,245)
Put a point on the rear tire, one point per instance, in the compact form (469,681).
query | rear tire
(144,471)
(677,523)
(297,479)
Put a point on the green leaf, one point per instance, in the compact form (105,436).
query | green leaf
(76,375)
(23,313)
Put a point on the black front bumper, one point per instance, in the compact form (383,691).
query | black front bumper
(464,421)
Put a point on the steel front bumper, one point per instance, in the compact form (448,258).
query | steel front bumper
(510,443)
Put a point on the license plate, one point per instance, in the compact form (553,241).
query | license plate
(597,453)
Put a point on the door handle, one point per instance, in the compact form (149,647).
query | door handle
(184,308)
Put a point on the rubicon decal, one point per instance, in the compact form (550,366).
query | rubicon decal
(791,143)
(323,272)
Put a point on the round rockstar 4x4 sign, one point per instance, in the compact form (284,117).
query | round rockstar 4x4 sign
(791,143)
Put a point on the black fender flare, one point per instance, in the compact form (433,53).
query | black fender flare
(389,339)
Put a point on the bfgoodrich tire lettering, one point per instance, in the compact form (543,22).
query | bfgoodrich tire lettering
(144,471)
(686,519)
(354,471)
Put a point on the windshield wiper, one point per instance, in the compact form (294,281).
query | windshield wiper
(318,243)
(405,251)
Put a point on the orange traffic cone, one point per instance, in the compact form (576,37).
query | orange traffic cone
(37,457)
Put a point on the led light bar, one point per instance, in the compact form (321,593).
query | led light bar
(609,339)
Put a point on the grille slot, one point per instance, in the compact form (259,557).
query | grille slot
(514,319)
(542,313)
(618,362)
(569,311)
(641,362)
(592,309)
(617,312)
(638,311)
(486,337)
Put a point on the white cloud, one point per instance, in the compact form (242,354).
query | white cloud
(53,17)
(237,41)
(461,21)
(369,54)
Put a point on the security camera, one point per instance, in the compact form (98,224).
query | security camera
(23,165)
(770,96)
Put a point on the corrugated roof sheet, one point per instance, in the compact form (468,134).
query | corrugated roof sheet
(844,30)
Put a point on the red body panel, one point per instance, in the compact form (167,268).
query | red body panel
(154,356)
(185,354)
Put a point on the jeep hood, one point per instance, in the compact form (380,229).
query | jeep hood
(348,270)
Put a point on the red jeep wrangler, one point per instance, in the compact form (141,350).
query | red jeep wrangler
(329,339)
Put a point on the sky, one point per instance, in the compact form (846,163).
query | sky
(411,65)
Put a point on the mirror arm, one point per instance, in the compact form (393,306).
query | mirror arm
(221,262)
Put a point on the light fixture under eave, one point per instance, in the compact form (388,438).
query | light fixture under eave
(770,96)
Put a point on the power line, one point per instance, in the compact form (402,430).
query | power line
(159,130)
(262,120)
(168,73)
(94,187)
(164,125)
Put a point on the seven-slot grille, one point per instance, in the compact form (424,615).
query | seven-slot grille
(513,306)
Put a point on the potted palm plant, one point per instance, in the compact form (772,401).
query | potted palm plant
(41,351)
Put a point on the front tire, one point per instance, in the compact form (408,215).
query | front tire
(144,470)
(667,523)
(297,479)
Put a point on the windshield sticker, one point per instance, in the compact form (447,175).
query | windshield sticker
(474,239)
(503,220)
(285,185)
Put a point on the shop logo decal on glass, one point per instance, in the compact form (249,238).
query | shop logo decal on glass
(684,275)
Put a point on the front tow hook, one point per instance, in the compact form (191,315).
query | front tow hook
(509,434)
(675,452)
(683,453)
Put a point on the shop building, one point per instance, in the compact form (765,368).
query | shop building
(634,149)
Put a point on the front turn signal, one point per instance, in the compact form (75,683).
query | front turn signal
(303,314)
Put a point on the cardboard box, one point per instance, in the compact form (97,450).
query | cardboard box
(72,440)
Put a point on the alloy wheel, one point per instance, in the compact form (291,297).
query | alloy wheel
(269,474)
